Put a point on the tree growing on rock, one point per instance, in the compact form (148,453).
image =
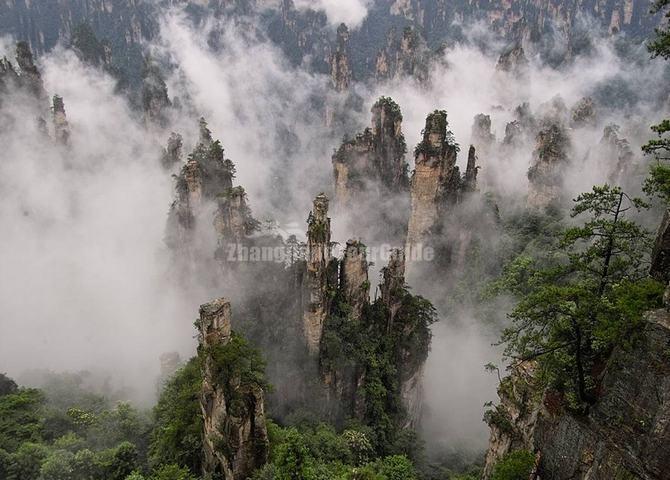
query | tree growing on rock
(584,298)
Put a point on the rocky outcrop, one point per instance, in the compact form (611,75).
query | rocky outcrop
(355,324)
(155,100)
(354,282)
(172,154)
(318,279)
(233,221)
(513,61)
(513,134)
(626,433)
(583,113)
(526,119)
(410,357)
(549,160)
(90,49)
(481,137)
(205,176)
(393,285)
(521,129)
(405,55)
(617,154)
(374,159)
(436,179)
(304,35)
(470,178)
(340,64)
(9,78)
(512,421)
(30,75)
(235,438)
(26,79)
(345,379)
(61,125)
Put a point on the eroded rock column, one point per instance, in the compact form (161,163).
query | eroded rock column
(235,439)
(318,273)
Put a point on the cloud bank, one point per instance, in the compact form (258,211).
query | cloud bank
(351,12)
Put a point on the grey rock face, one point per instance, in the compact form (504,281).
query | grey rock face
(235,438)
(626,433)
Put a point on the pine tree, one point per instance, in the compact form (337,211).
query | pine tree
(586,298)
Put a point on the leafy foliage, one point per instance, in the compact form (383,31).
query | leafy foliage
(584,298)
(660,46)
(20,418)
(319,453)
(176,437)
(515,465)
(239,367)
(65,432)
(172,472)
(371,346)
(436,123)
(658,182)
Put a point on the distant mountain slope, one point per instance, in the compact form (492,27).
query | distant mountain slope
(306,34)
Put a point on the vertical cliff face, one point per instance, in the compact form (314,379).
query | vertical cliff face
(123,24)
(370,175)
(549,159)
(60,123)
(8,78)
(512,421)
(205,176)
(318,278)
(405,55)
(233,220)
(513,134)
(372,354)
(90,49)
(303,35)
(172,153)
(30,75)
(617,153)
(235,438)
(393,285)
(26,79)
(513,61)
(626,433)
(340,65)
(435,180)
(354,281)
(583,113)
(155,100)
(410,358)
(470,177)
(374,159)
(343,373)
(388,160)
(481,137)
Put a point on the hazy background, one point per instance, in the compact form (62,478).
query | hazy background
(84,276)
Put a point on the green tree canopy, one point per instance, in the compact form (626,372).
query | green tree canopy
(584,298)
(658,182)
(176,438)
